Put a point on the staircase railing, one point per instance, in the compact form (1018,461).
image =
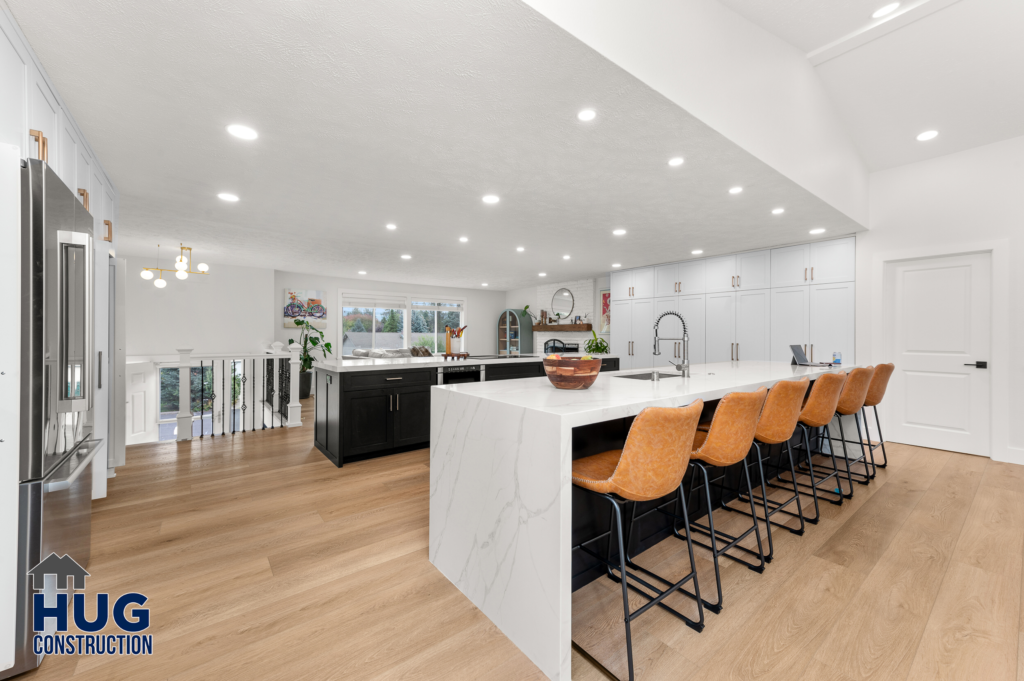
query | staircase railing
(238,393)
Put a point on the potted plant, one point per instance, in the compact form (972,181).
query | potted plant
(311,340)
(595,345)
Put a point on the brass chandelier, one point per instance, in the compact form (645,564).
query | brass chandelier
(181,267)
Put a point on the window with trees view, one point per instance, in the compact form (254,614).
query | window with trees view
(381,324)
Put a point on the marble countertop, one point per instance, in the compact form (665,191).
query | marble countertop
(369,364)
(612,397)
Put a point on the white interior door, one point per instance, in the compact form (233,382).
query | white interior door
(643,334)
(832,322)
(938,314)
(753,329)
(141,403)
(720,317)
(790,321)
(622,324)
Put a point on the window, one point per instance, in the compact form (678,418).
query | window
(387,321)
(200,391)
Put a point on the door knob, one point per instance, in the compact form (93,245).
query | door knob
(980,365)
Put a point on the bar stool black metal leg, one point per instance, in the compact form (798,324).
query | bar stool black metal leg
(870,453)
(764,498)
(753,512)
(881,439)
(849,474)
(625,588)
(796,491)
(713,607)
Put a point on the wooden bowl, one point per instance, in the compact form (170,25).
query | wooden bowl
(572,373)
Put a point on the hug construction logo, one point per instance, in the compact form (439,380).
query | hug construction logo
(54,640)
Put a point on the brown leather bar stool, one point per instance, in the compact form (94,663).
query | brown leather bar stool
(876,391)
(725,444)
(776,426)
(817,412)
(650,466)
(851,401)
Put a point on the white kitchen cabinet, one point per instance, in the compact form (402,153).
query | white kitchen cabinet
(68,164)
(753,270)
(14,66)
(621,331)
(720,320)
(666,280)
(720,274)
(691,277)
(633,333)
(692,309)
(753,325)
(632,284)
(833,261)
(790,321)
(831,322)
(791,266)
(44,116)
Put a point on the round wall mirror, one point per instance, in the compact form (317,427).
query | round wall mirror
(562,302)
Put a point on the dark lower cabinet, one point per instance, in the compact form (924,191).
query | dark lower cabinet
(368,422)
(412,415)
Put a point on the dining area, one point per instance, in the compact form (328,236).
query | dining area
(599,528)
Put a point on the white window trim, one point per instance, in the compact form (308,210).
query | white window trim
(406,299)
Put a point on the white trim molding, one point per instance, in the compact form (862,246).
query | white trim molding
(1000,362)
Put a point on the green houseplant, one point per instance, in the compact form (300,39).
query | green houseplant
(595,345)
(311,340)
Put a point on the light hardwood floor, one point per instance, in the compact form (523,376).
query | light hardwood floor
(263,561)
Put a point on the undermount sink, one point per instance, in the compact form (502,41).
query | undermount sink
(649,376)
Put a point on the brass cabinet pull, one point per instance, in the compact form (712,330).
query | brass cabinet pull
(732,351)
(812,352)
(734,281)
(805,349)
(812,274)
(42,145)
(737,281)
(84,193)
(398,403)
(110,230)
(805,274)
(396,378)
(737,352)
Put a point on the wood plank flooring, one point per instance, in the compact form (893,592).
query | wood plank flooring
(263,561)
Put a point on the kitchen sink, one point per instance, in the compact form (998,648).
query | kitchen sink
(649,376)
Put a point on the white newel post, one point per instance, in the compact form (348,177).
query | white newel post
(184,394)
(294,406)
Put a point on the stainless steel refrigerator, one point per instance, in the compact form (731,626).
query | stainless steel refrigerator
(59,365)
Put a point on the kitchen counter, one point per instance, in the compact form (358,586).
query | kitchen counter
(501,501)
(368,364)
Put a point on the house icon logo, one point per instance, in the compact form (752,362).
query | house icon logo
(64,568)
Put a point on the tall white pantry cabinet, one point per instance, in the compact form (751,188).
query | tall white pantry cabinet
(744,306)
(35,120)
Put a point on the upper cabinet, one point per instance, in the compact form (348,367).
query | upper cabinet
(666,280)
(13,74)
(691,277)
(720,274)
(632,284)
(679,278)
(753,270)
(833,261)
(823,262)
(43,122)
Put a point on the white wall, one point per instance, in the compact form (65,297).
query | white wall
(227,311)
(968,197)
(751,86)
(585,301)
(482,307)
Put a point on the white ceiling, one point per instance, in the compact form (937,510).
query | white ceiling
(397,111)
(952,66)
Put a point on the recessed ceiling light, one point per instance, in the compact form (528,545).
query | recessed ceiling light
(463,239)
(882,11)
(242,132)
(543,274)
(484,284)
(565,257)
(406,257)
(675,162)
(587,115)
(520,249)
(927,135)
(778,211)
(618,232)
(391,225)
(491,198)
(736,190)
(362,272)
(230,198)
(818,230)
(697,252)
(615,264)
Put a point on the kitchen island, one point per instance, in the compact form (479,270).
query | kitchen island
(501,502)
(374,407)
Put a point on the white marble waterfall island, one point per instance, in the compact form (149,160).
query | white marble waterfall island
(500,487)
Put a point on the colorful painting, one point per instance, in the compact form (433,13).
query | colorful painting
(304,305)
(605,324)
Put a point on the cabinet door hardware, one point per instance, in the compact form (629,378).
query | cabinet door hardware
(390,403)
(979,365)
(43,144)
(396,378)
(812,274)
(805,274)
(805,349)
(734,281)
(110,230)
(99,371)
(737,352)
(732,351)
(398,403)
(812,352)
(737,281)
(84,193)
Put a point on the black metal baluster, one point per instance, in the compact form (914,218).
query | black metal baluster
(253,429)
(242,390)
(213,396)
(202,396)
(263,409)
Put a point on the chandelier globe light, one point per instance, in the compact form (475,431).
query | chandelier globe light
(181,267)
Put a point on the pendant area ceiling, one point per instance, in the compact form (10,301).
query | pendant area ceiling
(955,66)
(398,112)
